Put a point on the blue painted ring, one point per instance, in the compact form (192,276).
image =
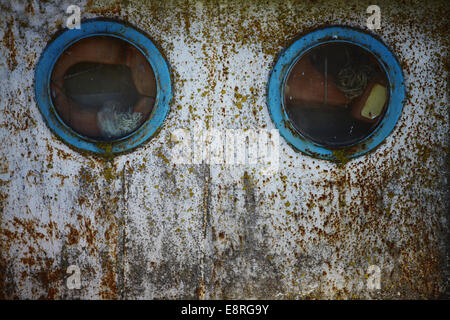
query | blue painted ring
(91,28)
(293,53)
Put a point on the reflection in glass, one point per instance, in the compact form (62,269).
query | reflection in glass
(336,94)
(103,88)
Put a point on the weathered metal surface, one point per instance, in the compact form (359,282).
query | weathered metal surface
(139,226)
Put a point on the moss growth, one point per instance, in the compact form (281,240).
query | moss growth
(341,156)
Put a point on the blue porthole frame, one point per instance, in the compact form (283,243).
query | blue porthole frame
(294,52)
(100,27)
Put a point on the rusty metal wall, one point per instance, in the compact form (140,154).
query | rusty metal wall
(139,226)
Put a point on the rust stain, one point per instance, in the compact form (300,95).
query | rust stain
(111,9)
(73,237)
(10,43)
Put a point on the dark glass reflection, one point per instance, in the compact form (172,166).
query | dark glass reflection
(336,94)
(103,88)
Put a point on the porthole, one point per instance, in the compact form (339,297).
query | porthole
(336,93)
(104,88)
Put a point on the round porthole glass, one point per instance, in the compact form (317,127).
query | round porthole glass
(336,93)
(104,88)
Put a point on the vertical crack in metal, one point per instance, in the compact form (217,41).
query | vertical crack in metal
(123,237)
(213,12)
(114,261)
(205,223)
